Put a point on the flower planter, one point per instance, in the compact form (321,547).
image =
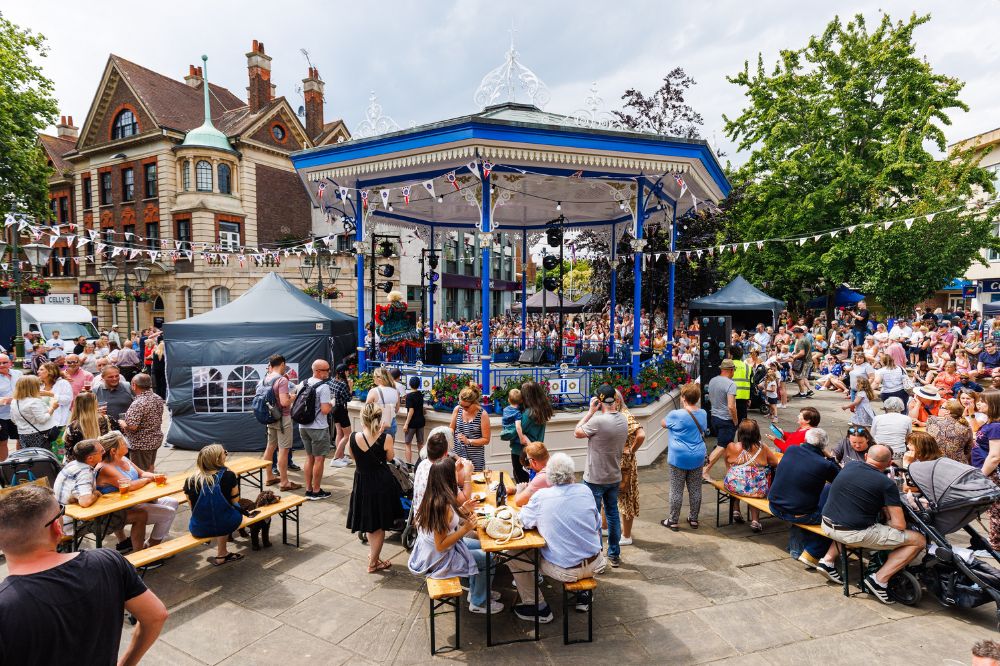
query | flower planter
(113,300)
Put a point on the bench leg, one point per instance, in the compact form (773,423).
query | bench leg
(433,639)
(571,599)
(293,515)
(845,565)
(456,606)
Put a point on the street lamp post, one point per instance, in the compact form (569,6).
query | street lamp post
(140,273)
(38,256)
(322,259)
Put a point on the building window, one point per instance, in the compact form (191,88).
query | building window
(345,243)
(225,179)
(109,239)
(186,170)
(220,297)
(125,125)
(184,234)
(105,188)
(153,236)
(149,175)
(203,176)
(994,255)
(412,293)
(158,304)
(128,184)
(188,303)
(278,132)
(63,210)
(229,236)
(128,231)
(88,199)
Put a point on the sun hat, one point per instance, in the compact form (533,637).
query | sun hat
(727,365)
(927,393)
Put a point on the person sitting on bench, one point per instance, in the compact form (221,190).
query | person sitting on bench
(858,496)
(798,493)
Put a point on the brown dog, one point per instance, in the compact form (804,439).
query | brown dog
(259,531)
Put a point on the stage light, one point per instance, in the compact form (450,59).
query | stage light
(432,260)
(386,270)
(385,286)
(554,236)
(387,249)
(433,288)
(551,283)
(550,262)
(433,276)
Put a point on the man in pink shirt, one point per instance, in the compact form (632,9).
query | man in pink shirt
(538,458)
(77,376)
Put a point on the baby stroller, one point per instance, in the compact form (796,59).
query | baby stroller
(28,466)
(757,399)
(403,474)
(952,496)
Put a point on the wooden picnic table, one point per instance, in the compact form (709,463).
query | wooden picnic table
(110,503)
(526,549)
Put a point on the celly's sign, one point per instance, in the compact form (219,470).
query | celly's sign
(990,286)
(60,299)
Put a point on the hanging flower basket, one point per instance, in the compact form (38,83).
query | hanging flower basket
(113,296)
(142,294)
(34,286)
(331,292)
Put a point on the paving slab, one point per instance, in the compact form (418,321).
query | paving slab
(330,615)
(211,629)
(288,646)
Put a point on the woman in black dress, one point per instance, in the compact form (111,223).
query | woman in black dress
(375,505)
(159,370)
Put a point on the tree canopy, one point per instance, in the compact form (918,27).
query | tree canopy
(26,108)
(839,132)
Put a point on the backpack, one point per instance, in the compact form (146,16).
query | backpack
(265,403)
(304,406)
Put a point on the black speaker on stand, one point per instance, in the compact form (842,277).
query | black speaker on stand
(433,353)
(533,356)
(593,358)
(714,335)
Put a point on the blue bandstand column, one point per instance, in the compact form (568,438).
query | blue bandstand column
(359,237)
(430,324)
(640,202)
(524,288)
(485,355)
(614,285)
(670,294)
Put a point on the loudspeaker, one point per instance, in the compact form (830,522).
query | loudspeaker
(714,335)
(645,356)
(531,356)
(593,358)
(433,352)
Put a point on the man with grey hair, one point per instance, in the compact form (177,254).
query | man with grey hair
(858,497)
(567,518)
(142,423)
(892,427)
(86,590)
(799,491)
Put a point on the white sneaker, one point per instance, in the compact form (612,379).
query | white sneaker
(625,541)
(604,532)
(494,595)
(339,462)
(495,607)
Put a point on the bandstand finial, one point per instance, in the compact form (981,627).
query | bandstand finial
(504,81)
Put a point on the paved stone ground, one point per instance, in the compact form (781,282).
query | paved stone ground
(721,596)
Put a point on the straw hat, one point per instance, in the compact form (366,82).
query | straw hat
(927,393)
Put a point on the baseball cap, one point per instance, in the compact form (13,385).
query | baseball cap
(727,364)
(606,394)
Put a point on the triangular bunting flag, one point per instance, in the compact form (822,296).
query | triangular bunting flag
(406,193)
(888,224)
(384,194)
(851,228)
(487,168)
(746,246)
(930,217)
(760,245)
(908,222)
(817,237)
(343,191)
(450,177)
(53,239)
(833,234)
(802,241)
(473,167)
(429,186)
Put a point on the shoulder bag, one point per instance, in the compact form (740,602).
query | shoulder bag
(698,426)
(504,526)
(907,381)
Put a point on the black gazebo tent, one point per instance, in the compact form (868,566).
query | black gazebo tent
(551,302)
(747,304)
(216,360)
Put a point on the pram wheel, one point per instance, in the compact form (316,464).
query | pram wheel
(409,537)
(905,589)
(763,408)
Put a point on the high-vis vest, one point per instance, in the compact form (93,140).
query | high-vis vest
(741,375)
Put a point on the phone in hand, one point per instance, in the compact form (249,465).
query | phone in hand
(778,432)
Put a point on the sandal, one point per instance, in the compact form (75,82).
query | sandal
(291,486)
(756,526)
(230,557)
(380,565)
(737,518)
(670,524)
(693,523)
(272,482)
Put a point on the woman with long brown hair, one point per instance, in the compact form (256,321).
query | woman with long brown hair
(537,412)
(747,460)
(442,522)
(986,456)
(85,421)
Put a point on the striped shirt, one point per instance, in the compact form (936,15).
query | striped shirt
(472,430)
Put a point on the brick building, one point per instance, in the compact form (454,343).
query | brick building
(148,166)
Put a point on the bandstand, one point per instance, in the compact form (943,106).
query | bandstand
(515,169)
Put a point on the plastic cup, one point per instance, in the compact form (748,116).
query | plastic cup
(160,479)
(123,486)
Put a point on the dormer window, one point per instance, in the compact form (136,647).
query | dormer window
(278,132)
(124,125)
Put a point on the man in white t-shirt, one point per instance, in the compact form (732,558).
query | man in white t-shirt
(56,346)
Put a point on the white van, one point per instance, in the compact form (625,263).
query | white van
(71,321)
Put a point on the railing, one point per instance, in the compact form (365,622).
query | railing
(508,350)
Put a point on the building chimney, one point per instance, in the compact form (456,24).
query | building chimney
(194,76)
(65,128)
(312,89)
(259,67)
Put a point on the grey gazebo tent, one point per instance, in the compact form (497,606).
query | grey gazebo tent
(216,360)
(747,304)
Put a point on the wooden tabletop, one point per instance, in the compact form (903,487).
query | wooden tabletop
(112,502)
(531,538)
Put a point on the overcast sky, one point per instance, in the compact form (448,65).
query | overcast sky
(425,59)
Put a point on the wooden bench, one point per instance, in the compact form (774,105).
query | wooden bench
(571,594)
(446,592)
(287,508)
(846,552)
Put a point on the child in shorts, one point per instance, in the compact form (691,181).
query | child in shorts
(415,422)
(770,387)
(511,421)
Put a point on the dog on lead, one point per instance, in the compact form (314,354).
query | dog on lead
(260,532)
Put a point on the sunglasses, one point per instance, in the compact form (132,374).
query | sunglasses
(62,512)
(857,431)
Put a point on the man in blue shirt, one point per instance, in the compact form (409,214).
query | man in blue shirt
(989,361)
(567,518)
(798,493)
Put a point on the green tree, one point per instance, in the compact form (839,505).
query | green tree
(838,131)
(26,108)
